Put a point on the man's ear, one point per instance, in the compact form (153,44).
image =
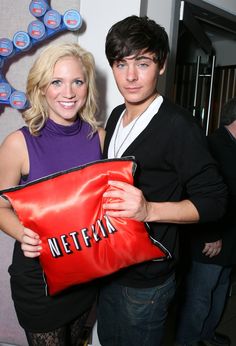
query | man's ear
(162,70)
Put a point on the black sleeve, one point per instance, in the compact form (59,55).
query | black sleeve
(197,170)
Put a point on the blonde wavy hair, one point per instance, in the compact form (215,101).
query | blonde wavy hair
(40,76)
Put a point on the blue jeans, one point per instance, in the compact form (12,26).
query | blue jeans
(204,300)
(133,316)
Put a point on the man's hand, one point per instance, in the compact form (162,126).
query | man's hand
(212,249)
(126,201)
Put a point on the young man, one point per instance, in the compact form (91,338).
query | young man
(176,182)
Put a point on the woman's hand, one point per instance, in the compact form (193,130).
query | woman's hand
(30,243)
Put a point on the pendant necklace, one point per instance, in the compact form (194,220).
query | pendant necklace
(116,151)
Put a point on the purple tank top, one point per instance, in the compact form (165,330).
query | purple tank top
(59,148)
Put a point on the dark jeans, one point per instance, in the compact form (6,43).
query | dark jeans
(133,316)
(204,300)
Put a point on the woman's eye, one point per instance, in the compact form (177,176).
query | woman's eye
(56,82)
(79,82)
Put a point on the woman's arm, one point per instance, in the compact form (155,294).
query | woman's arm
(13,164)
(12,161)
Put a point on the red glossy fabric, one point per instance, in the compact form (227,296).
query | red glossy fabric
(80,242)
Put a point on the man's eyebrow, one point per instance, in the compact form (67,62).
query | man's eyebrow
(137,58)
(144,57)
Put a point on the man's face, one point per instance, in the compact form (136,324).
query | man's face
(136,77)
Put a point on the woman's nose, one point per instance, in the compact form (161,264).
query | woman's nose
(68,91)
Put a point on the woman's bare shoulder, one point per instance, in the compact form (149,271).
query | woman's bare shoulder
(13,154)
(14,141)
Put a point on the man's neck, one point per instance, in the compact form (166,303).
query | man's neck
(136,110)
(232,128)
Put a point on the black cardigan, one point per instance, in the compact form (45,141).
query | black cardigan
(173,164)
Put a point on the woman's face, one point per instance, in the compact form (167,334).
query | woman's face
(67,91)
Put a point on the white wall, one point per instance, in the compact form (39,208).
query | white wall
(167,15)
(99,17)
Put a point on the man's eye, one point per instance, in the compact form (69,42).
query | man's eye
(120,65)
(142,65)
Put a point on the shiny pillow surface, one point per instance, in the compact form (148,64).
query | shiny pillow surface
(80,243)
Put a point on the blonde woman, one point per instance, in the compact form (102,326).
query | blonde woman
(61,132)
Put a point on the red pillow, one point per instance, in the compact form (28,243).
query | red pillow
(80,243)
